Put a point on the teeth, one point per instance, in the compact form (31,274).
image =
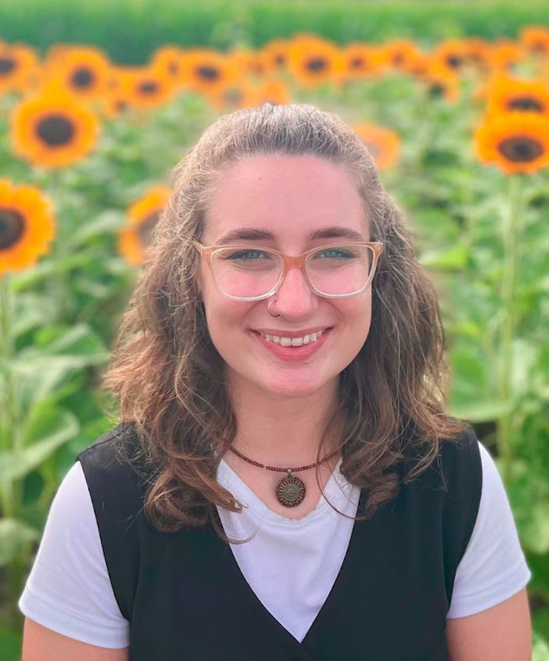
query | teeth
(293,341)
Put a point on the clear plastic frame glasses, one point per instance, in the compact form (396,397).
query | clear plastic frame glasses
(252,273)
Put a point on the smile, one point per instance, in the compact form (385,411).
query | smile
(292,341)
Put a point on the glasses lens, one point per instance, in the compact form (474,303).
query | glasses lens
(246,272)
(340,270)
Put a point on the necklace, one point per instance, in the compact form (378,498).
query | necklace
(290,490)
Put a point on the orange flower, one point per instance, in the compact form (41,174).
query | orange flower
(535,39)
(402,54)
(383,144)
(26,226)
(146,87)
(313,61)
(82,71)
(272,91)
(18,63)
(53,130)
(142,216)
(516,142)
(508,94)
(363,60)
(274,55)
(169,60)
(205,70)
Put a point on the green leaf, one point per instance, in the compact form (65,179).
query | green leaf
(105,223)
(447,259)
(10,644)
(16,464)
(540,649)
(15,536)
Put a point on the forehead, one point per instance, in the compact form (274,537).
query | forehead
(291,196)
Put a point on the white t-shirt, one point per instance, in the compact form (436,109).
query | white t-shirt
(69,591)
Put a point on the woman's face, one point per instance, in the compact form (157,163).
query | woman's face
(285,199)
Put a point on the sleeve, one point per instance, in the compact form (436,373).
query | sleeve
(68,589)
(493,567)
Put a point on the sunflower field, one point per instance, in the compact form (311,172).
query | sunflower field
(460,131)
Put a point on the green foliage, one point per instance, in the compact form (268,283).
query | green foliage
(222,24)
(64,312)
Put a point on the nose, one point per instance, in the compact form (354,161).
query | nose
(294,298)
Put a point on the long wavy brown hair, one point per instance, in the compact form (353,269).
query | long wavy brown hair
(169,379)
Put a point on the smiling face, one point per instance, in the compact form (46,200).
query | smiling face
(293,204)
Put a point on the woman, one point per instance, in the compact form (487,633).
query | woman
(284,482)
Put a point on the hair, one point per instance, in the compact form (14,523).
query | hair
(169,379)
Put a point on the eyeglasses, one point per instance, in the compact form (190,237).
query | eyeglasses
(246,273)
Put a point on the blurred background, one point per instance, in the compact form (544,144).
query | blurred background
(99,101)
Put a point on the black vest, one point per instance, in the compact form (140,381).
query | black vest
(187,600)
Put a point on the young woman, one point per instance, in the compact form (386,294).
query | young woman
(284,483)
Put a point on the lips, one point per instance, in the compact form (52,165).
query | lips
(289,352)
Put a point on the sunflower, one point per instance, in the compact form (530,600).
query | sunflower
(452,54)
(535,39)
(509,94)
(362,60)
(84,72)
(53,130)
(17,64)
(517,142)
(441,82)
(169,60)
(248,61)
(146,87)
(205,70)
(383,144)
(506,54)
(402,54)
(235,96)
(272,91)
(274,55)
(26,226)
(142,217)
(313,61)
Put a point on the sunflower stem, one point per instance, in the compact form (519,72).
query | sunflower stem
(511,244)
(10,436)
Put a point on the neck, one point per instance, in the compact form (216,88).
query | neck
(279,430)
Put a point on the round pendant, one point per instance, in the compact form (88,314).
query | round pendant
(290,490)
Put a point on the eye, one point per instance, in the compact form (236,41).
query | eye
(334,253)
(246,255)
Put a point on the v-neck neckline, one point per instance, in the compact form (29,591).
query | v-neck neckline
(247,592)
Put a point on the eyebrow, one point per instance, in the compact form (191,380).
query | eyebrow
(258,234)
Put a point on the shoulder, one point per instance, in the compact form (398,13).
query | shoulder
(115,473)
(456,464)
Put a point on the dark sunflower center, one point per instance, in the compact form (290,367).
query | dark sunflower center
(540,47)
(357,63)
(525,103)
(55,130)
(7,65)
(83,78)
(316,64)
(398,59)
(148,88)
(436,90)
(521,149)
(146,228)
(12,226)
(209,73)
(454,61)
(280,59)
